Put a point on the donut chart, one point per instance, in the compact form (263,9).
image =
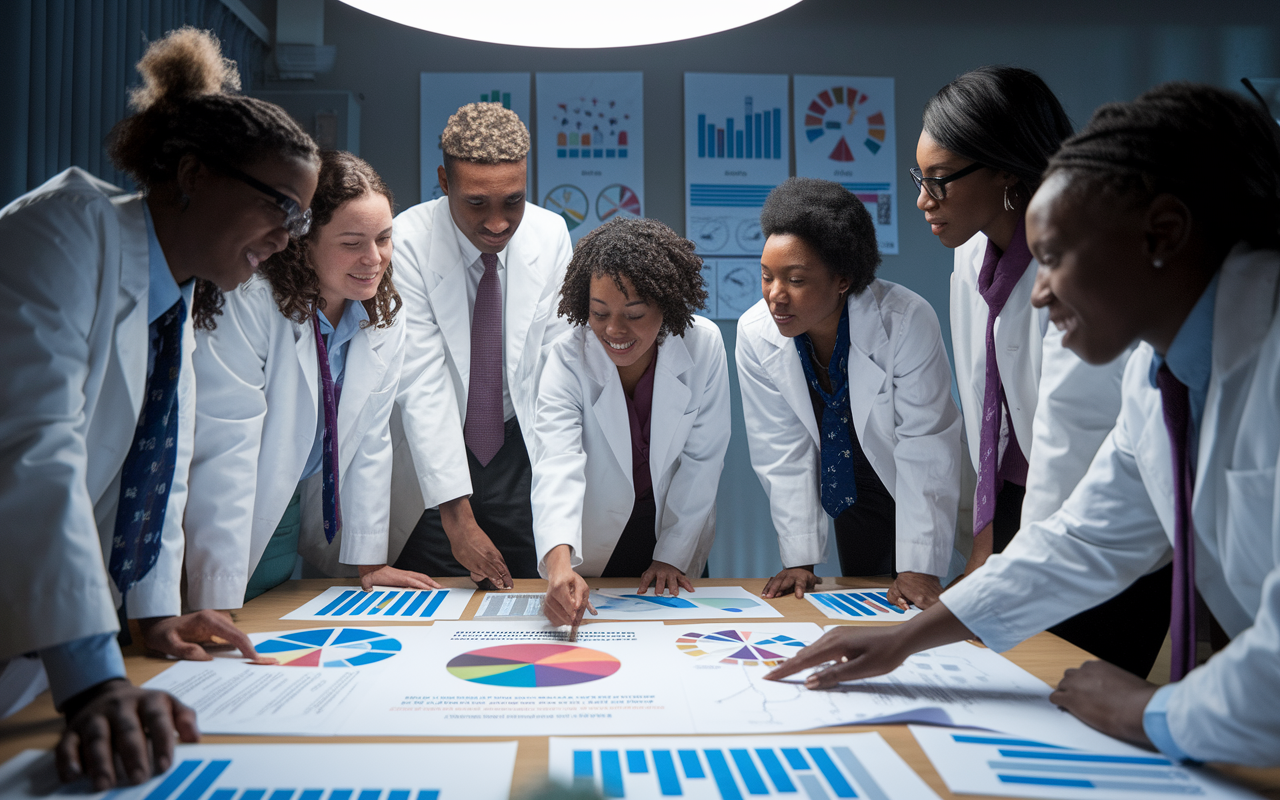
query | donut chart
(838,100)
(533,665)
(330,647)
(619,200)
(744,648)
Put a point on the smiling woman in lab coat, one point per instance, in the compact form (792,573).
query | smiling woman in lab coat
(847,397)
(632,419)
(317,330)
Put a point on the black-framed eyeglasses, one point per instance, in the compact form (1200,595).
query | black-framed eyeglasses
(297,221)
(937,187)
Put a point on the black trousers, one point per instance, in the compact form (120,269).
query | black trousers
(500,494)
(1127,630)
(633,554)
(866,533)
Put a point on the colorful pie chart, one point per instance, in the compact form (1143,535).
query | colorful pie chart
(330,647)
(745,648)
(533,665)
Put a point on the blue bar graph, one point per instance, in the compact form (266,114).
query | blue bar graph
(724,778)
(370,794)
(795,758)
(173,780)
(421,603)
(417,601)
(396,606)
(611,774)
(702,136)
(1090,757)
(226,794)
(282,794)
(433,605)
(350,604)
(342,598)
(747,769)
(341,794)
(777,133)
(582,765)
(668,781)
(777,774)
(692,764)
(253,794)
(368,601)
(201,783)
(311,794)
(757,135)
(636,762)
(831,772)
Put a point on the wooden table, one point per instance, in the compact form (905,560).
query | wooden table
(1044,656)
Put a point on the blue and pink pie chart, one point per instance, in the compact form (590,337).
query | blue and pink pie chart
(533,665)
(330,647)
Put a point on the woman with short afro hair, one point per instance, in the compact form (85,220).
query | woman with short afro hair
(846,392)
(632,420)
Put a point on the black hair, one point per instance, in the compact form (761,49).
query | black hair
(1003,117)
(660,264)
(1212,149)
(832,221)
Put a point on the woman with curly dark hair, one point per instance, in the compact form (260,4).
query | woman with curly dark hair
(632,420)
(297,380)
(846,392)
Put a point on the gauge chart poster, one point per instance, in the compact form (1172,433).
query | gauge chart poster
(443,93)
(591,147)
(737,147)
(845,133)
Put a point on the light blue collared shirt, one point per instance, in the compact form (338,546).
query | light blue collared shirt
(337,341)
(1190,359)
(162,291)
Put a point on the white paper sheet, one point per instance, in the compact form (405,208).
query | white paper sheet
(443,93)
(383,604)
(709,602)
(722,767)
(983,762)
(862,605)
(466,771)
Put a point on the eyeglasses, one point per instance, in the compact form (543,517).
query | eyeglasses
(937,187)
(296,220)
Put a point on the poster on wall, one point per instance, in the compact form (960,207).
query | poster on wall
(443,93)
(736,149)
(845,133)
(590,146)
(732,284)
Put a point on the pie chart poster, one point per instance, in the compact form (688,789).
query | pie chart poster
(590,147)
(844,129)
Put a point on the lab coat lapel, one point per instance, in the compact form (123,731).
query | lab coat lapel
(783,366)
(608,404)
(670,399)
(364,370)
(523,287)
(449,296)
(131,310)
(866,337)
(308,362)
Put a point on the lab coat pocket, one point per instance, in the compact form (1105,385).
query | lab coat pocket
(1247,537)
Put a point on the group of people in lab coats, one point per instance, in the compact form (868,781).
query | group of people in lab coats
(253,367)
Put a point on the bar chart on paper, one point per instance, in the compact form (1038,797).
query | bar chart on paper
(864,605)
(732,768)
(982,762)
(383,604)
(465,771)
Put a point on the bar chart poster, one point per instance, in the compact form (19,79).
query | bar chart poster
(988,763)
(443,93)
(845,133)
(445,771)
(737,147)
(383,604)
(730,768)
(591,147)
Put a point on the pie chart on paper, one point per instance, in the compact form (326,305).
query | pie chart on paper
(533,665)
(330,647)
(745,648)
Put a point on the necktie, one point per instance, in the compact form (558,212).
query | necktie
(1177,415)
(329,395)
(838,482)
(999,274)
(483,430)
(148,467)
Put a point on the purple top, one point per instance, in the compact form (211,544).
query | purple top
(639,409)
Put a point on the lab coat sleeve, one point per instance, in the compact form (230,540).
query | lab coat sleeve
(53,583)
(926,452)
(1106,536)
(231,407)
(559,461)
(366,485)
(688,516)
(428,405)
(1077,407)
(785,459)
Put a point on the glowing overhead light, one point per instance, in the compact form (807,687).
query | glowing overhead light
(600,23)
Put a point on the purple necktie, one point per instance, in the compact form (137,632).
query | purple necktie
(999,274)
(329,448)
(483,430)
(1177,413)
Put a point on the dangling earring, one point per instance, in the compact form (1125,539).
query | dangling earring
(183,202)
(1007,205)
(1158,263)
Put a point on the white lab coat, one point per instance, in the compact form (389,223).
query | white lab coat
(256,421)
(583,486)
(906,421)
(1062,407)
(430,273)
(75,347)
(1119,524)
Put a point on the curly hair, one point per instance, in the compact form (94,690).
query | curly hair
(484,133)
(1212,149)
(294,283)
(660,264)
(189,103)
(831,220)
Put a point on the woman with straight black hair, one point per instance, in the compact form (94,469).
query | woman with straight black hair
(1034,413)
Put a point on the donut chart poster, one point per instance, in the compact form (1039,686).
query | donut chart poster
(845,132)
(590,147)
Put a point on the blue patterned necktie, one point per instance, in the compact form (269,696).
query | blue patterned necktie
(329,449)
(839,486)
(148,468)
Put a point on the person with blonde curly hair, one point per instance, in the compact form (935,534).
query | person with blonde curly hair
(632,420)
(297,379)
(478,270)
(99,396)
